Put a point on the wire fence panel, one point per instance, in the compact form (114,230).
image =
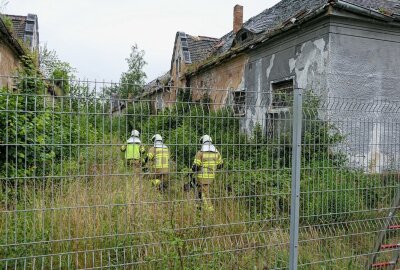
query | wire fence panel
(71,200)
(80,191)
(350,183)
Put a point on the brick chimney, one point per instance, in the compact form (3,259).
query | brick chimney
(237,18)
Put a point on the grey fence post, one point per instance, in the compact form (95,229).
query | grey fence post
(296,163)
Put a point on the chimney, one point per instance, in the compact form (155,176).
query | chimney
(237,18)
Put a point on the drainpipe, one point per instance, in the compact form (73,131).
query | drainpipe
(361,10)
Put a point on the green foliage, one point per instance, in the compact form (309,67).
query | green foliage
(7,21)
(184,95)
(37,131)
(132,80)
(258,167)
(42,132)
(59,71)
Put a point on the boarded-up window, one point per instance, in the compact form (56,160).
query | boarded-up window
(278,118)
(239,102)
(282,94)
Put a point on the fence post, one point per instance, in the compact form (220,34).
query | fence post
(296,163)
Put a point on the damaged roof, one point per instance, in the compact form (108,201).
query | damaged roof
(280,14)
(157,84)
(195,48)
(270,19)
(9,37)
(26,29)
(393,6)
(19,24)
(200,47)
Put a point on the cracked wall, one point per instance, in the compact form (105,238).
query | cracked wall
(364,68)
(221,80)
(302,57)
(342,58)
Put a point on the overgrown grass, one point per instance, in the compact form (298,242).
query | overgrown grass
(107,219)
(112,217)
(89,210)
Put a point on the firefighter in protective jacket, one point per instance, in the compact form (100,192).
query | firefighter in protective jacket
(158,156)
(205,164)
(134,151)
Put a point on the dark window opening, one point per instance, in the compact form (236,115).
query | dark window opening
(176,67)
(243,37)
(239,102)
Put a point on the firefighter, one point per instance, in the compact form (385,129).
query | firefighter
(158,157)
(134,151)
(206,162)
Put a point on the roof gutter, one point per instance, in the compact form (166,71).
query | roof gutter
(361,10)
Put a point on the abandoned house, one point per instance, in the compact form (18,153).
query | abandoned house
(333,48)
(19,36)
(188,50)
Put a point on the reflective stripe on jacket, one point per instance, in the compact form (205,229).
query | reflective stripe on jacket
(207,162)
(159,158)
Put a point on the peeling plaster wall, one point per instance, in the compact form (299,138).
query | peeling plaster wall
(161,99)
(226,76)
(344,58)
(364,67)
(9,63)
(301,55)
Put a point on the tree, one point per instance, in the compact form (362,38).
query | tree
(133,79)
(60,72)
(50,63)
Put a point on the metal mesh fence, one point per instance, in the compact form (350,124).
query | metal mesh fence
(349,193)
(73,197)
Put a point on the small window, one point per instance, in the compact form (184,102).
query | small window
(278,118)
(282,94)
(239,102)
(243,37)
(159,104)
(177,67)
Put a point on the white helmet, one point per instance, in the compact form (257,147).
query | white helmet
(135,133)
(156,138)
(205,138)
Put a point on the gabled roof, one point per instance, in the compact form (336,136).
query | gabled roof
(9,37)
(26,28)
(195,48)
(19,24)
